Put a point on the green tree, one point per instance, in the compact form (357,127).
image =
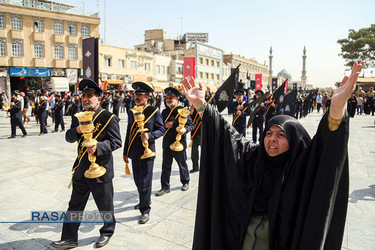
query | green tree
(359,46)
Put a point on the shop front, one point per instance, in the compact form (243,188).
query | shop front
(29,79)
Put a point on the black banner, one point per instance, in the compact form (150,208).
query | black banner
(274,84)
(90,58)
(224,95)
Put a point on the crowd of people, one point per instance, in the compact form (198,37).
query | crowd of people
(239,200)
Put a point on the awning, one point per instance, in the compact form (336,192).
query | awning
(112,82)
(59,84)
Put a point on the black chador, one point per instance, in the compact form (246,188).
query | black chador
(303,192)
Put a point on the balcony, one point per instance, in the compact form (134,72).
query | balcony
(39,36)
(73,64)
(39,62)
(59,63)
(17,61)
(58,38)
(16,34)
(3,33)
(72,39)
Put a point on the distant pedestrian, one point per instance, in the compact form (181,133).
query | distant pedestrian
(16,116)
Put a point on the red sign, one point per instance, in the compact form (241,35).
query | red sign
(286,86)
(258,79)
(189,67)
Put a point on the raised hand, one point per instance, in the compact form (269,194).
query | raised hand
(193,93)
(343,93)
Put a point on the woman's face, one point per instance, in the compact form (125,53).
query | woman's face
(275,141)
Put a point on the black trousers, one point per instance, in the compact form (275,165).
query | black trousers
(142,172)
(116,112)
(195,152)
(59,119)
(42,121)
(257,125)
(103,196)
(14,122)
(180,157)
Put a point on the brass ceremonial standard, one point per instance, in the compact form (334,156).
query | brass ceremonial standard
(139,117)
(182,119)
(87,127)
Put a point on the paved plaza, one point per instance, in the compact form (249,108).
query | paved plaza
(35,172)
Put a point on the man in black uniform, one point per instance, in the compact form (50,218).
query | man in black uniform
(195,136)
(42,114)
(59,117)
(16,116)
(259,118)
(76,105)
(128,101)
(239,112)
(105,101)
(134,149)
(116,103)
(170,116)
(107,133)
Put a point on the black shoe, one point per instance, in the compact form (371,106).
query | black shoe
(54,131)
(102,241)
(185,187)
(136,207)
(11,137)
(144,218)
(24,136)
(64,244)
(162,192)
(194,170)
(41,134)
(62,130)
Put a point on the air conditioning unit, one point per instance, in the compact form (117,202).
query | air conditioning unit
(113,77)
(131,78)
(104,78)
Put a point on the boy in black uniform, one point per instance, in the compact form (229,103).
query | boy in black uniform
(239,112)
(170,116)
(134,149)
(59,117)
(105,101)
(116,104)
(107,134)
(16,116)
(259,118)
(42,114)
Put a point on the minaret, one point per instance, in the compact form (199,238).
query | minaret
(270,56)
(304,77)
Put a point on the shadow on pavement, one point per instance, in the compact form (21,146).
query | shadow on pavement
(367,194)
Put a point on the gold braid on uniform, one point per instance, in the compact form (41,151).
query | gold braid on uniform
(333,124)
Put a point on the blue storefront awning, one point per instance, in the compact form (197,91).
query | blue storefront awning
(38,72)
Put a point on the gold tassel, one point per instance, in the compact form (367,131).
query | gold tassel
(251,125)
(71,182)
(127,171)
(191,144)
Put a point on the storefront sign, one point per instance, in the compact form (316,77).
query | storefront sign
(38,72)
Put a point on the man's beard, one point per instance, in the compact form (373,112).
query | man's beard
(172,104)
(89,106)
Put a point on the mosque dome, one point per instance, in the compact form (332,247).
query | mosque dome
(285,74)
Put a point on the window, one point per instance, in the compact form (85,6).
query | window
(58,28)
(121,63)
(201,60)
(201,75)
(163,70)
(108,61)
(212,76)
(217,77)
(218,64)
(207,62)
(133,64)
(85,31)
(72,53)
(38,25)
(212,63)
(16,23)
(72,29)
(207,75)
(168,71)
(38,50)
(17,49)
(59,52)
(3,48)
(2,22)
(157,69)
(147,66)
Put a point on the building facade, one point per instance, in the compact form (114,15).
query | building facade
(41,45)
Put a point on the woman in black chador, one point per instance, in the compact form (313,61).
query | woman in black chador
(289,192)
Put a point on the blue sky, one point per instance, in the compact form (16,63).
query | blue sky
(247,28)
